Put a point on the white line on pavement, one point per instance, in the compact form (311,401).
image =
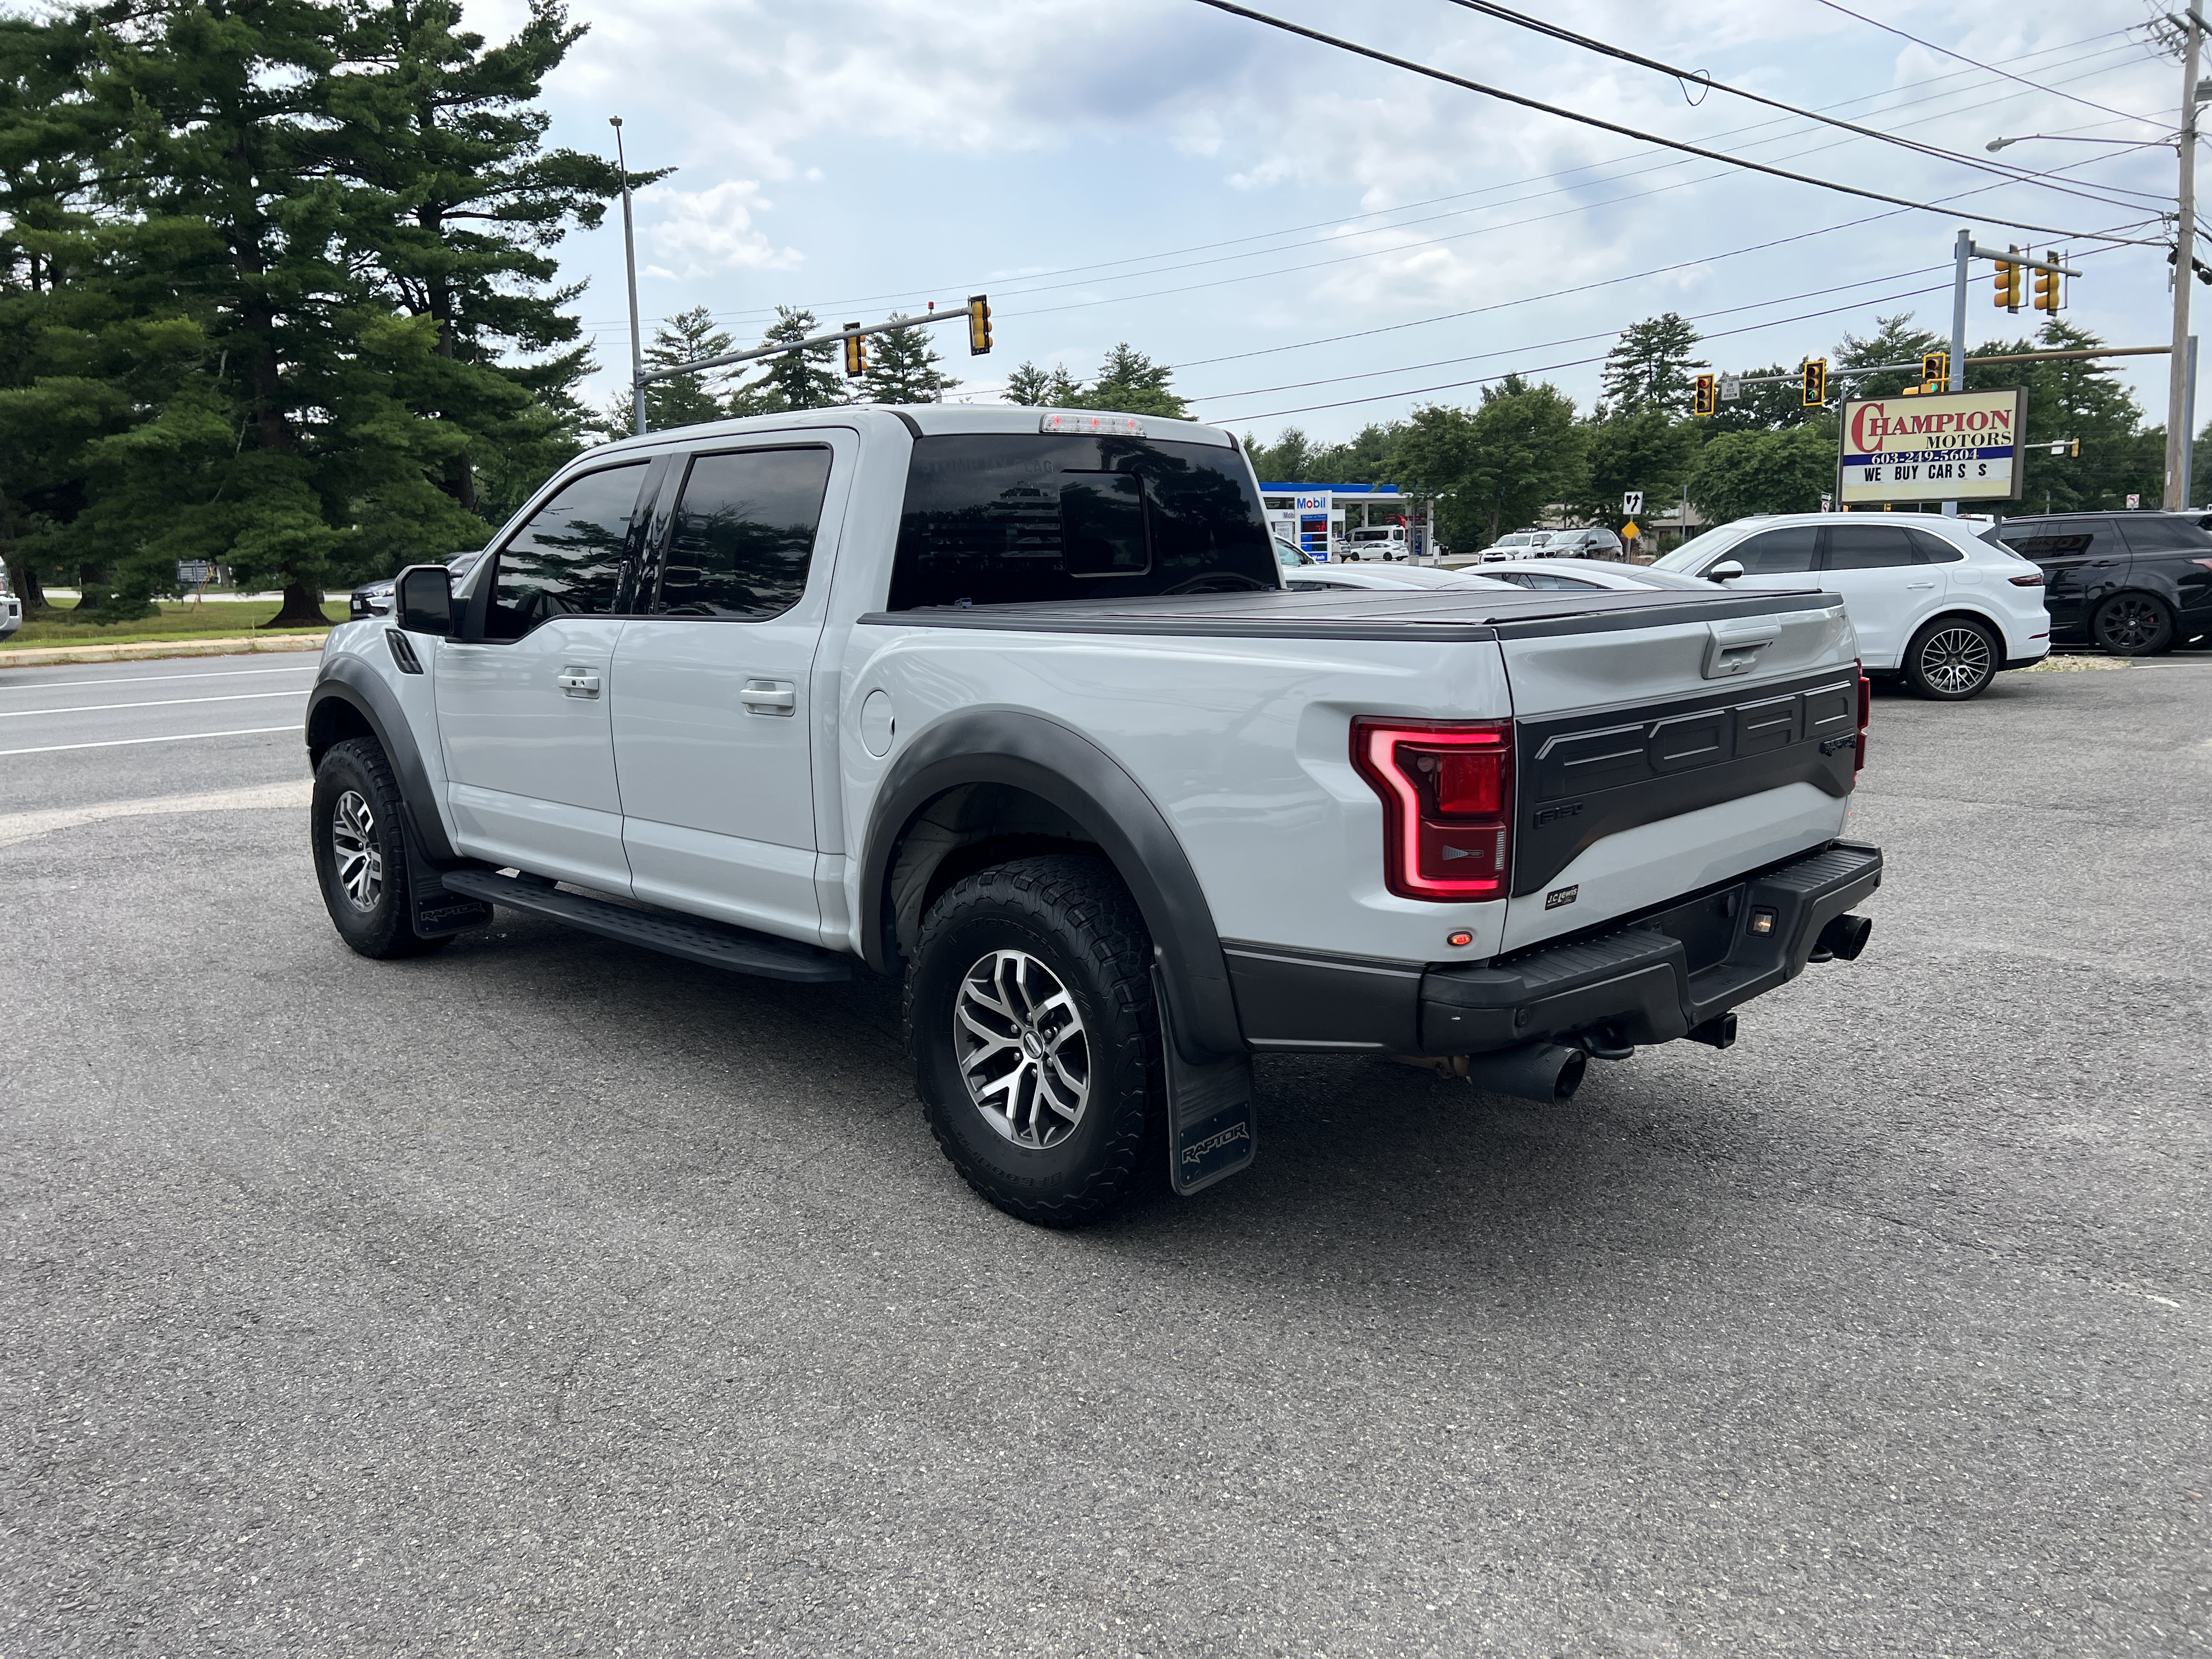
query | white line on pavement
(146,679)
(22,826)
(123,743)
(156,703)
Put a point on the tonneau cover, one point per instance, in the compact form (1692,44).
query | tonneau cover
(1368,614)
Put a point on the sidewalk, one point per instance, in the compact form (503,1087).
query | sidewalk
(147,650)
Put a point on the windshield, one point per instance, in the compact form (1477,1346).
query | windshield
(1694,552)
(1518,538)
(1289,556)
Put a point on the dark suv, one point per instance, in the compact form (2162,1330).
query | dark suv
(2134,583)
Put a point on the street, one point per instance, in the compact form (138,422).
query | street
(550,1296)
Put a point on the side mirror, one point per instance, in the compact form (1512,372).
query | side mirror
(1726,571)
(422,599)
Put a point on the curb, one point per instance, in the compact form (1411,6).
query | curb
(149,650)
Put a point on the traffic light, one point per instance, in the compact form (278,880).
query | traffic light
(1708,396)
(856,354)
(1814,393)
(1935,369)
(979,325)
(2007,284)
(2047,291)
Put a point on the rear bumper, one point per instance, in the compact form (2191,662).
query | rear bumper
(1651,980)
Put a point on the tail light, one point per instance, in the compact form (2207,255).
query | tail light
(2036,580)
(1866,718)
(1447,790)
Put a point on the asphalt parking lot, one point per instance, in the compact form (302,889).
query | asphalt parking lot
(549,1297)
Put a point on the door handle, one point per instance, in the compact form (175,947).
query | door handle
(1915,588)
(576,681)
(770,697)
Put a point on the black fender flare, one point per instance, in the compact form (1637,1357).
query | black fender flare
(351,681)
(1059,765)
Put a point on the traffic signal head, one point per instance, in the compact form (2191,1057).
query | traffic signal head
(2007,284)
(1815,392)
(1934,368)
(2047,291)
(1708,395)
(856,354)
(979,325)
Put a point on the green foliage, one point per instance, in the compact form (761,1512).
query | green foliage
(903,367)
(1895,340)
(1765,408)
(1295,458)
(1132,384)
(267,270)
(685,400)
(1780,471)
(1497,467)
(1648,450)
(1650,366)
(1035,388)
(2081,398)
(792,380)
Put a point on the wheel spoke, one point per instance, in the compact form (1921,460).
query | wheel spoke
(1019,1040)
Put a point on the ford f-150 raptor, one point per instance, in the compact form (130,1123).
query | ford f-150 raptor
(1013,704)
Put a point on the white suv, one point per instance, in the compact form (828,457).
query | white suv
(1938,601)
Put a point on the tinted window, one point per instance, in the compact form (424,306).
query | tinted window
(1774,552)
(2058,541)
(1545,582)
(2159,534)
(1868,547)
(1933,550)
(743,534)
(998,518)
(568,560)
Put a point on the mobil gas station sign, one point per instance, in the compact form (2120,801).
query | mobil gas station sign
(1939,447)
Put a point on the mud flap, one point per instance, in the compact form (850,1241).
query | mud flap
(1212,1133)
(437,912)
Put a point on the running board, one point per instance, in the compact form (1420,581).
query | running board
(733,950)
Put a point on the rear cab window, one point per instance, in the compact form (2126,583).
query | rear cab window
(1015,518)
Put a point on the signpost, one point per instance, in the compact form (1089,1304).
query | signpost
(1632,504)
(1938,446)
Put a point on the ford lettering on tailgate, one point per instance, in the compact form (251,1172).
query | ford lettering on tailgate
(1592,775)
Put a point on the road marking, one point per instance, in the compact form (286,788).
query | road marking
(22,826)
(124,743)
(157,702)
(147,679)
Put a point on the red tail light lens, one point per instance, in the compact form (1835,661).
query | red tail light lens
(1866,718)
(2036,580)
(1447,792)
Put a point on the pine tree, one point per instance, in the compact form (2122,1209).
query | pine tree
(687,400)
(1649,367)
(1133,384)
(1038,388)
(792,380)
(904,368)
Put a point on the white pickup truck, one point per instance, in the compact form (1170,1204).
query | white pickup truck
(1013,704)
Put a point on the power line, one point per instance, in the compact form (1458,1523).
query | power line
(1573,339)
(1504,96)
(1553,31)
(1961,57)
(735,315)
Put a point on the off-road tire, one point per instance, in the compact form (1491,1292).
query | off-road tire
(2133,625)
(1073,914)
(1937,675)
(386,929)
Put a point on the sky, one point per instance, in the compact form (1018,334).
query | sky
(1234,201)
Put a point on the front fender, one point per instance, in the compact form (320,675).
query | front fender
(349,684)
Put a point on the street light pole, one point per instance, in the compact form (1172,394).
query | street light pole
(629,268)
(1963,257)
(2178,435)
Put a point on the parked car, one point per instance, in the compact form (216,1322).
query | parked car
(11,608)
(1595,542)
(1291,556)
(374,598)
(1320,578)
(1385,541)
(1550,575)
(1520,545)
(1940,602)
(1010,705)
(2134,583)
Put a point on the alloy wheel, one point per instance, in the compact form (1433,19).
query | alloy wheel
(2127,624)
(1956,660)
(360,859)
(1022,1049)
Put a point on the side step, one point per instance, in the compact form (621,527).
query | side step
(734,949)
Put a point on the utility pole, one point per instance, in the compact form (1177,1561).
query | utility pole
(2178,435)
(1963,255)
(629,267)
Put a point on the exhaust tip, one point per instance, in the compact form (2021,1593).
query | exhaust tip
(1844,937)
(1570,1074)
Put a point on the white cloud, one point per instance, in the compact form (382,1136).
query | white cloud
(703,232)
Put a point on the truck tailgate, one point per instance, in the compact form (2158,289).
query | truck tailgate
(1655,756)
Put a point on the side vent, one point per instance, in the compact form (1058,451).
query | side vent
(403,652)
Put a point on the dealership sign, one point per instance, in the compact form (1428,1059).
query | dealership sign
(1940,447)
